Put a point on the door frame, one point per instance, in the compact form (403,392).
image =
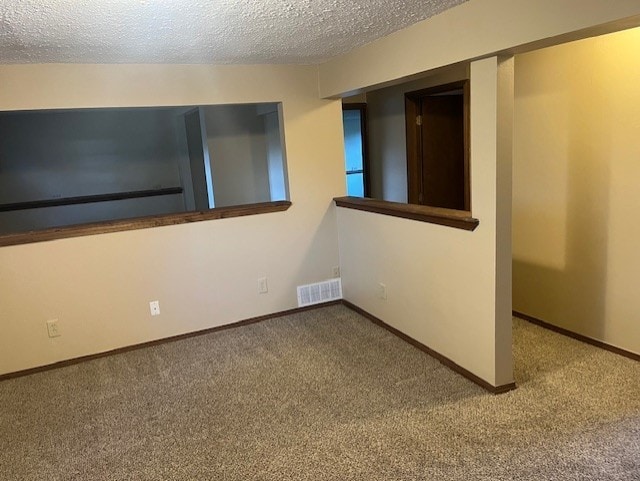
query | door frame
(414,139)
(362,107)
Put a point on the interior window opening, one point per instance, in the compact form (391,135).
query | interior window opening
(61,168)
(416,144)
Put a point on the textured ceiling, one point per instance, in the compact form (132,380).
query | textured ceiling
(199,31)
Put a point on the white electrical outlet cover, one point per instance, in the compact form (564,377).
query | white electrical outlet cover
(154,308)
(53,329)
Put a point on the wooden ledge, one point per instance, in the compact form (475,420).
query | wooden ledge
(458,219)
(141,223)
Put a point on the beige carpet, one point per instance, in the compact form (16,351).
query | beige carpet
(323,395)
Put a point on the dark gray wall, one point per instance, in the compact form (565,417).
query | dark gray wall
(58,154)
(238,154)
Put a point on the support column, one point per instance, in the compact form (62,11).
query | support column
(491,150)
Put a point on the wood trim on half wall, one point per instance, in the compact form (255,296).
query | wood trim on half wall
(423,213)
(106,227)
(436,355)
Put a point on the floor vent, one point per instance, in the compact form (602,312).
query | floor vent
(326,291)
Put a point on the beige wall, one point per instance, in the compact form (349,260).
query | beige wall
(204,274)
(576,195)
(471,30)
(442,282)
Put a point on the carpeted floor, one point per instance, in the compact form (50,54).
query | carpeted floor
(323,395)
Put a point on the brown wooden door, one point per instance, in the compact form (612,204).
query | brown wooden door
(443,151)
(437,121)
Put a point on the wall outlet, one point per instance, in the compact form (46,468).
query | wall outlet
(263,287)
(53,328)
(154,308)
(382,291)
(336,272)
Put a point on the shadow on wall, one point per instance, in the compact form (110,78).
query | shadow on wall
(324,233)
(573,296)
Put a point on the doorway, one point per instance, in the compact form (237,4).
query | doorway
(437,122)
(354,119)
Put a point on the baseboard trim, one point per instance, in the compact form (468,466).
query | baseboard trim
(134,347)
(436,355)
(576,336)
